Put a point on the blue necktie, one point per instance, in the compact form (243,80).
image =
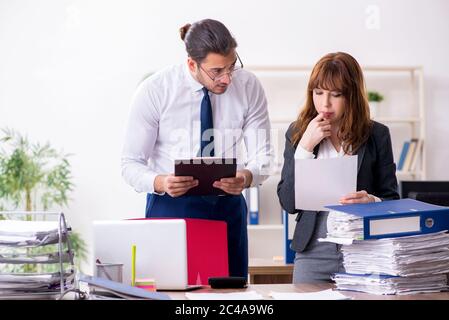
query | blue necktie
(206,124)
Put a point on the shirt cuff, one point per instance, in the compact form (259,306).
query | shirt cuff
(376,199)
(148,184)
(257,177)
(302,153)
(153,178)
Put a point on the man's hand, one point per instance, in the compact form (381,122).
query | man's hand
(357,197)
(174,186)
(235,186)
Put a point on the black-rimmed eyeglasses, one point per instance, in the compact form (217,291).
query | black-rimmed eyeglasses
(219,74)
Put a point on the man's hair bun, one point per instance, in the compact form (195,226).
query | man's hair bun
(183,31)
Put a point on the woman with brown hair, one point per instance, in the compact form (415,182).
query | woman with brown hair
(335,122)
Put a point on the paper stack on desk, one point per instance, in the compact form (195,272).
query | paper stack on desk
(406,256)
(386,284)
(403,265)
(19,245)
(31,282)
(391,261)
(396,266)
(28,233)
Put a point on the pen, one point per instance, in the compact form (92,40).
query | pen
(133,265)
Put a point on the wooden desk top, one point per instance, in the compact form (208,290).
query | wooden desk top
(264,290)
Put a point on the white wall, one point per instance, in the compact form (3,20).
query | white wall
(68,69)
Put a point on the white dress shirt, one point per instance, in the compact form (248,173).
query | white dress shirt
(164,125)
(326,151)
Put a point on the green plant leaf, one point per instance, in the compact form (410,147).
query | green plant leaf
(374,96)
(34,175)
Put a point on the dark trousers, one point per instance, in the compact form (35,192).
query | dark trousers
(231,209)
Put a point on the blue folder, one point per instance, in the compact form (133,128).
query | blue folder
(288,251)
(253,205)
(403,155)
(397,218)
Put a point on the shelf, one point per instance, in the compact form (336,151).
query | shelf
(296,68)
(392,68)
(402,174)
(261,68)
(265,227)
(24,230)
(399,120)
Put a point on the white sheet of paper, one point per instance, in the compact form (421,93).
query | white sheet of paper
(321,182)
(245,295)
(343,241)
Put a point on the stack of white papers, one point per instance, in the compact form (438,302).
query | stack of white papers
(418,255)
(19,258)
(28,233)
(27,228)
(395,265)
(385,284)
(401,265)
(31,282)
(16,236)
(344,228)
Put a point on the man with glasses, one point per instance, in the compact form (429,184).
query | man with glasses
(205,107)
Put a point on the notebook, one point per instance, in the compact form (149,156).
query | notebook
(207,170)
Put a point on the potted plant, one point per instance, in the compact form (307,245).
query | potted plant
(374,98)
(35,177)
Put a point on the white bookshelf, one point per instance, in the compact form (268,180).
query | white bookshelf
(412,116)
(403,111)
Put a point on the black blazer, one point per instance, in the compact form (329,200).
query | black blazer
(376,174)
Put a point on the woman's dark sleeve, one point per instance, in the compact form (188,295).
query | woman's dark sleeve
(385,182)
(286,187)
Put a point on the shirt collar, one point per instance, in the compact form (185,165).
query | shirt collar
(194,85)
(331,149)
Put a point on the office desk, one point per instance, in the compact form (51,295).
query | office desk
(264,290)
(266,271)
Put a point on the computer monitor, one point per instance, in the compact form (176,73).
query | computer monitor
(434,192)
